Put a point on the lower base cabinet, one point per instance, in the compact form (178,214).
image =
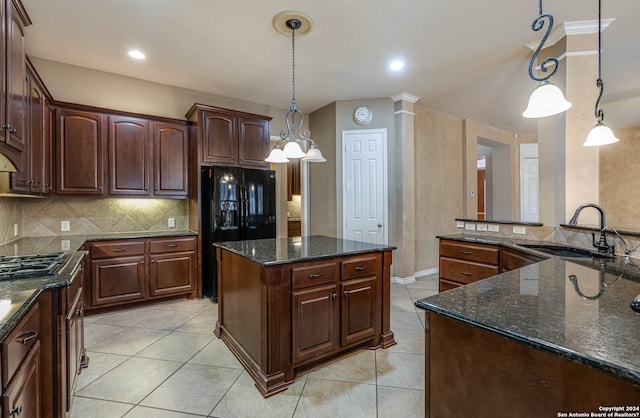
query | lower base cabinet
(127,271)
(22,397)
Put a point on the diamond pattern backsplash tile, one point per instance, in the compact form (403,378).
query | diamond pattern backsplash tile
(9,215)
(96,216)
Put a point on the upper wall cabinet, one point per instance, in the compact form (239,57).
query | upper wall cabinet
(13,85)
(129,155)
(231,138)
(171,159)
(81,140)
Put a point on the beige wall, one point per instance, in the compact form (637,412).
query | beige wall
(620,180)
(438,186)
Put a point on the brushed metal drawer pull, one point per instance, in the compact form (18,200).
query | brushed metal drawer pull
(464,273)
(118,250)
(28,336)
(172,245)
(16,410)
(360,268)
(467,252)
(315,276)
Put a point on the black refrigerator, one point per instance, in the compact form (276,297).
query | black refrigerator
(237,204)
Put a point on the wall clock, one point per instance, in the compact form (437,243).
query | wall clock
(362,115)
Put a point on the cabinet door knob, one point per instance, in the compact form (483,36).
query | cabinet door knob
(335,295)
(28,336)
(346,293)
(16,410)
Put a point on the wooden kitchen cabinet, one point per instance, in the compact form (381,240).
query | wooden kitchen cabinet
(513,259)
(231,138)
(463,263)
(293,178)
(173,266)
(117,272)
(129,155)
(81,144)
(171,159)
(34,173)
(132,270)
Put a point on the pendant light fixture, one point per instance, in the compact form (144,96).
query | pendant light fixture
(600,134)
(546,99)
(293,144)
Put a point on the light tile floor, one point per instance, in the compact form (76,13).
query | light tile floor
(164,361)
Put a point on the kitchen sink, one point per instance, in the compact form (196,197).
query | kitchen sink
(564,251)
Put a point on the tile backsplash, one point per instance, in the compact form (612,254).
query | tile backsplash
(42,217)
(10,214)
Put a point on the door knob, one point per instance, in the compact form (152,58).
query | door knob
(379,225)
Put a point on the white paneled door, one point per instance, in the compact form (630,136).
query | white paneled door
(364,174)
(529,201)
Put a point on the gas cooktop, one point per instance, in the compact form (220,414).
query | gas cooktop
(13,267)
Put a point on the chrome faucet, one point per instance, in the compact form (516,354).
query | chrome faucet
(601,245)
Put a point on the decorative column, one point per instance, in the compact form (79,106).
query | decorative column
(404,264)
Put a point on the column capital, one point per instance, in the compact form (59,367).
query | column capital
(579,27)
(405,97)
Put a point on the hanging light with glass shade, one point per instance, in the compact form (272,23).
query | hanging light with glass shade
(600,134)
(294,142)
(546,99)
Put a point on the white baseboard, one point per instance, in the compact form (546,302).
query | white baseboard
(403,280)
(426,272)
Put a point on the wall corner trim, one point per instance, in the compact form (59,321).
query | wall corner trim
(405,97)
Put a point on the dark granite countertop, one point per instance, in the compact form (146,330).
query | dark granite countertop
(17,295)
(274,251)
(578,309)
(52,244)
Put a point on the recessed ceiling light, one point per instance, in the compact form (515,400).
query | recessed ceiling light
(135,54)
(396,65)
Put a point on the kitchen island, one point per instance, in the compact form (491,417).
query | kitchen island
(551,338)
(289,304)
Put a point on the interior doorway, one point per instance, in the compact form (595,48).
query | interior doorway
(364,193)
(482,187)
(529,179)
(498,201)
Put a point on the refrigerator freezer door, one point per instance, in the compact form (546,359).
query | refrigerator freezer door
(260,204)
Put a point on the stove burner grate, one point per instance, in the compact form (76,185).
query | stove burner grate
(13,267)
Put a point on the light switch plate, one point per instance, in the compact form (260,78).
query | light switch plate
(459,224)
(481,227)
(519,230)
(470,227)
(65,226)
(494,228)
(65,245)
(171,222)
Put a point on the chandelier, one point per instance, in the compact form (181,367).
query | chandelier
(294,138)
(546,99)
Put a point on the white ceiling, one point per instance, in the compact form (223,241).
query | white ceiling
(465,58)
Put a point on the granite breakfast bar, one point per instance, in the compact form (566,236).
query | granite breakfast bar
(288,304)
(551,338)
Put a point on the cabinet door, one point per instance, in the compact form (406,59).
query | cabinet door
(293,178)
(76,359)
(128,156)
(17,91)
(37,139)
(171,159)
(358,310)
(315,322)
(253,142)
(117,280)
(172,274)
(22,397)
(80,147)
(219,139)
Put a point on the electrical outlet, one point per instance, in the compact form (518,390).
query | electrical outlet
(459,224)
(15,230)
(171,222)
(481,227)
(65,245)
(494,228)
(470,227)
(65,226)
(519,230)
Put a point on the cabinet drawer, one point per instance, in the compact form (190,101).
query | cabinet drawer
(18,343)
(464,271)
(470,252)
(116,249)
(312,275)
(360,267)
(172,245)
